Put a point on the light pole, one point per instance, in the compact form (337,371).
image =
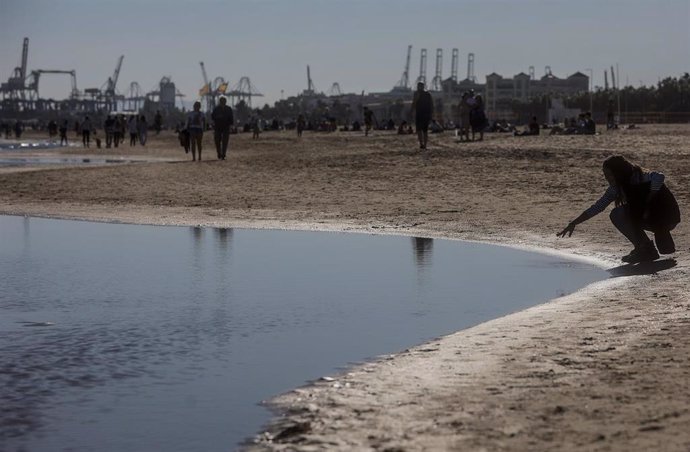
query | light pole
(591,86)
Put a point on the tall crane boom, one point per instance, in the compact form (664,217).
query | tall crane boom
(454,65)
(405,79)
(25,57)
(112,81)
(437,80)
(203,72)
(310,84)
(422,67)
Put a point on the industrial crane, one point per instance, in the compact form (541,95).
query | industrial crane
(207,90)
(111,83)
(404,83)
(36,75)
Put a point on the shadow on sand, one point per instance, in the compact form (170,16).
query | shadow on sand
(643,268)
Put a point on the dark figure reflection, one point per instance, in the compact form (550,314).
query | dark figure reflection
(423,249)
(198,234)
(224,238)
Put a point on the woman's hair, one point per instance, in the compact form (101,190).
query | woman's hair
(622,171)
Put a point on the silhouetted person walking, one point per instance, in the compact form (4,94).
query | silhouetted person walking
(196,123)
(643,203)
(423,107)
(223,119)
(18,129)
(63,133)
(158,122)
(133,131)
(300,125)
(368,120)
(143,129)
(86,131)
(109,128)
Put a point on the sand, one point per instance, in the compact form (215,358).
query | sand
(607,368)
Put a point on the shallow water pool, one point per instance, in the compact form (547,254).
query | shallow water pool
(136,338)
(39,161)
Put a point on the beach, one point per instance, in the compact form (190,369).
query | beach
(607,368)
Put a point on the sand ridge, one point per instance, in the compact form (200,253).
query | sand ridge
(606,368)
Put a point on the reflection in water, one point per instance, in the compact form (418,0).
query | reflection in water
(224,238)
(423,249)
(198,234)
(193,327)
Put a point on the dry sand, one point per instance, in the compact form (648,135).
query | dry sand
(607,368)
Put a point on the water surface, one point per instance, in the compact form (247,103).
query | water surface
(137,338)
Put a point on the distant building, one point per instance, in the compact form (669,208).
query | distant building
(499,93)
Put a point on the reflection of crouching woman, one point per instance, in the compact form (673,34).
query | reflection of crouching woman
(643,202)
(195,126)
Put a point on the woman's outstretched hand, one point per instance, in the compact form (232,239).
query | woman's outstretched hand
(568,230)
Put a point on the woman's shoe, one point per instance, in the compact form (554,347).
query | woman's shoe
(646,253)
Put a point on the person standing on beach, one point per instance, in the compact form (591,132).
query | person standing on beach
(196,123)
(86,131)
(133,130)
(256,127)
(223,119)
(368,120)
(423,107)
(643,203)
(108,126)
(18,129)
(465,116)
(158,122)
(52,130)
(300,125)
(63,133)
(122,124)
(116,131)
(143,129)
(478,119)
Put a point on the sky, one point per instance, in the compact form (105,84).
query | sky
(360,44)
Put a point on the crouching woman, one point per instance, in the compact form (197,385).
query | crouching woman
(643,202)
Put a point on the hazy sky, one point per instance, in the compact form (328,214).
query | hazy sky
(360,44)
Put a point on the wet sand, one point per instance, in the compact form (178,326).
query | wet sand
(607,368)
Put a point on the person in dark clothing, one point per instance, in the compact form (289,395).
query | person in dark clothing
(52,129)
(196,124)
(86,131)
(610,117)
(423,107)
(643,203)
(478,119)
(222,121)
(368,120)
(63,133)
(18,129)
(589,127)
(532,129)
(109,126)
(158,122)
(300,125)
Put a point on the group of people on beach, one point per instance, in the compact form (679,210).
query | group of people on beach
(472,116)
(116,128)
(191,135)
(8,128)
